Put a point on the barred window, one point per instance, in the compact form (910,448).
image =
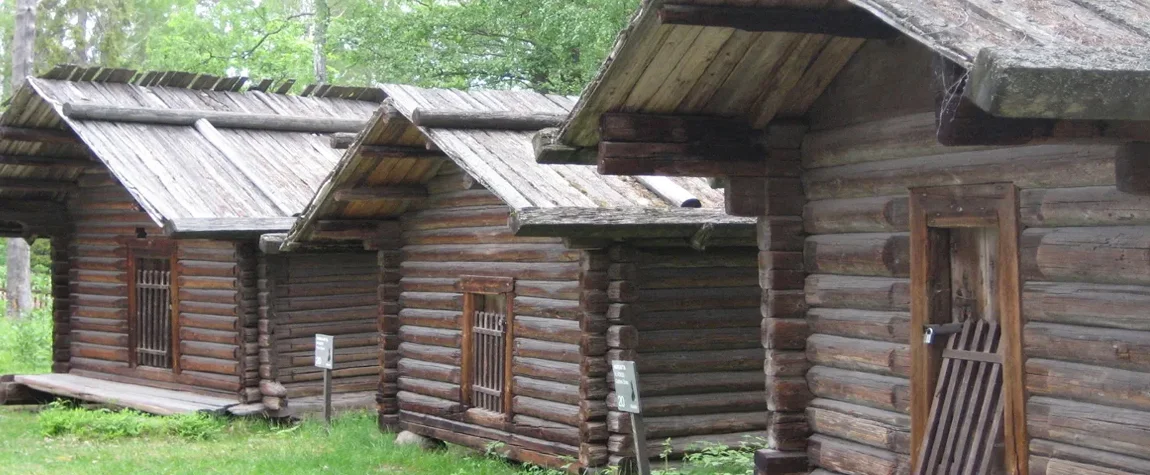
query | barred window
(487,343)
(150,325)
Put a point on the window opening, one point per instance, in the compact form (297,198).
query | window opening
(153,312)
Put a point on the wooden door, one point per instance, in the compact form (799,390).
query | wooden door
(967,388)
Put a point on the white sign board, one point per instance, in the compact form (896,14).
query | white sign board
(626,386)
(324,351)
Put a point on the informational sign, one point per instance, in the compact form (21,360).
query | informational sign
(324,349)
(626,386)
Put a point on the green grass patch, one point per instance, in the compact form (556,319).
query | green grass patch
(61,418)
(26,343)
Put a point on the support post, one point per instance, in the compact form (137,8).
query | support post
(327,397)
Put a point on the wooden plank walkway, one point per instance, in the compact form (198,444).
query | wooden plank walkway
(133,396)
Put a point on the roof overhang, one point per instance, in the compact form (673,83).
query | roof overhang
(225,228)
(630,223)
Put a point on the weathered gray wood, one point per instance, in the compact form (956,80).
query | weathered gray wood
(627,223)
(220,119)
(197,228)
(463,119)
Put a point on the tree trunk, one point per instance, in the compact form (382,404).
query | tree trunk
(19,255)
(319,36)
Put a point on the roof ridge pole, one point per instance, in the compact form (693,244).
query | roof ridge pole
(218,141)
(667,189)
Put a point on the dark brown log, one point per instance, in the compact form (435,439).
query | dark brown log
(463,119)
(548,329)
(544,369)
(686,319)
(866,324)
(693,361)
(531,348)
(547,410)
(21,134)
(853,23)
(48,162)
(623,158)
(23,184)
(705,383)
(874,427)
(881,392)
(858,215)
(680,425)
(547,390)
(784,333)
(622,127)
(770,461)
(850,457)
(390,192)
(785,363)
(692,340)
(694,404)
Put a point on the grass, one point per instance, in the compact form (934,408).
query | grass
(26,343)
(56,442)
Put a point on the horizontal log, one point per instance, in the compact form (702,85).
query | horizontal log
(874,427)
(1096,384)
(1115,348)
(546,369)
(623,445)
(554,391)
(548,329)
(693,361)
(1096,461)
(866,293)
(219,119)
(1110,306)
(906,136)
(852,23)
(687,425)
(468,119)
(882,214)
(696,340)
(548,272)
(550,309)
(878,357)
(865,324)
(656,300)
(426,387)
(1103,255)
(885,255)
(46,162)
(28,134)
(1122,431)
(390,192)
(547,410)
(877,391)
(546,430)
(431,371)
(706,383)
(519,252)
(1028,167)
(627,223)
(850,457)
(430,336)
(685,319)
(530,348)
(689,404)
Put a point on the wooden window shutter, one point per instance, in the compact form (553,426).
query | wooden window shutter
(968,384)
(488,341)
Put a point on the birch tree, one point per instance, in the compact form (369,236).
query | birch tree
(19,259)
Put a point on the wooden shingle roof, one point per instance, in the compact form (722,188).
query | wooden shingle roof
(225,168)
(500,158)
(1072,59)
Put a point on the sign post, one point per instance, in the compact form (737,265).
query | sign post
(324,357)
(627,399)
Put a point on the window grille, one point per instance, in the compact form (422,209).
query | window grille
(153,312)
(488,334)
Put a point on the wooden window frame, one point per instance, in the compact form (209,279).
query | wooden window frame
(473,286)
(933,212)
(153,248)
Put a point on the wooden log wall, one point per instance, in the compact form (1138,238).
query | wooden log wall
(61,304)
(1085,267)
(302,294)
(558,384)
(210,295)
(248,276)
(690,319)
(387,395)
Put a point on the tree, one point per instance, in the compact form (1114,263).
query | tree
(19,259)
(319,37)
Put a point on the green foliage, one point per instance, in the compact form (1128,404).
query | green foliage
(62,418)
(714,459)
(545,45)
(26,343)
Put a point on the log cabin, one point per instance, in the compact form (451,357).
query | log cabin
(155,189)
(957,191)
(507,286)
